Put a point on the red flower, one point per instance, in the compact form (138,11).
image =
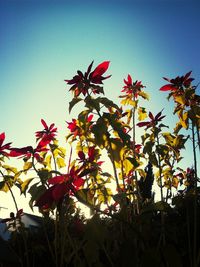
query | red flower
(91,160)
(152,122)
(132,87)
(177,83)
(74,126)
(61,185)
(28,152)
(47,135)
(82,82)
(96,76)
(4,147)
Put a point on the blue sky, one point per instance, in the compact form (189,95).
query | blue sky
(44,42)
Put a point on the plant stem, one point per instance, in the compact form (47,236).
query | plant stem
(12,194)
(195,198)
(134,155)
(160,172)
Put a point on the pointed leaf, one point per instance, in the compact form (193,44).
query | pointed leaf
(74,101)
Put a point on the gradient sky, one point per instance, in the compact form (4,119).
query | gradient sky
(44,42)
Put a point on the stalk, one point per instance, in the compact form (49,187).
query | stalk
(134,141)
(195,198)
(160,171)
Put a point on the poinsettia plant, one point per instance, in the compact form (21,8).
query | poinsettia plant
(103,165)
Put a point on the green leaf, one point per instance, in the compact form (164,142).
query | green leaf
(108,103)
(153,159)
(86,197)
(162,206)
(92,103)
(74,101)
(100,132)
(35,191)
(148,147)
(134,162)
(44,175)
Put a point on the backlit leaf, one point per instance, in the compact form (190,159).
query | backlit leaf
(142,114)
(60,162)
(27,166)
(24,185)
(74,101)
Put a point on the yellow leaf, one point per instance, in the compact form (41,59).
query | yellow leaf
(128,166)
(129,101)
(142,114)
(25,184)
(175,182)
(60,162)
(180,99)
(10,169)
(143,94)
(62,152)
(184,120)
(48,161)
(4,187)
(27,166)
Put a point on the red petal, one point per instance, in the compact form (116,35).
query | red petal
(78,182)
(89,69)
(167,79)
(57,179)
(151,116)
(15,152)
(59,191)
(46,198)
(142,124)
(129,79)
(2,138)
(187,75)
(167,87)
(90,117)
(100,69)
(44,124)
(158,115)
(81,155)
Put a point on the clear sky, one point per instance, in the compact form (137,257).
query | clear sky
(44,42)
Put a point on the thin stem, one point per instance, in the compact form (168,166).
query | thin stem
(195,198)
(12,194)
(198,136)
(160,172)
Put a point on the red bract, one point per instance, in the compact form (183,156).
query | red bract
(52,195)
(96,76)
(28,151)
(73,127)
(61,185)
(47,135)
(177,83)
(132,87)
(5,147)
(82,82)
(92,154)
(152,122)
